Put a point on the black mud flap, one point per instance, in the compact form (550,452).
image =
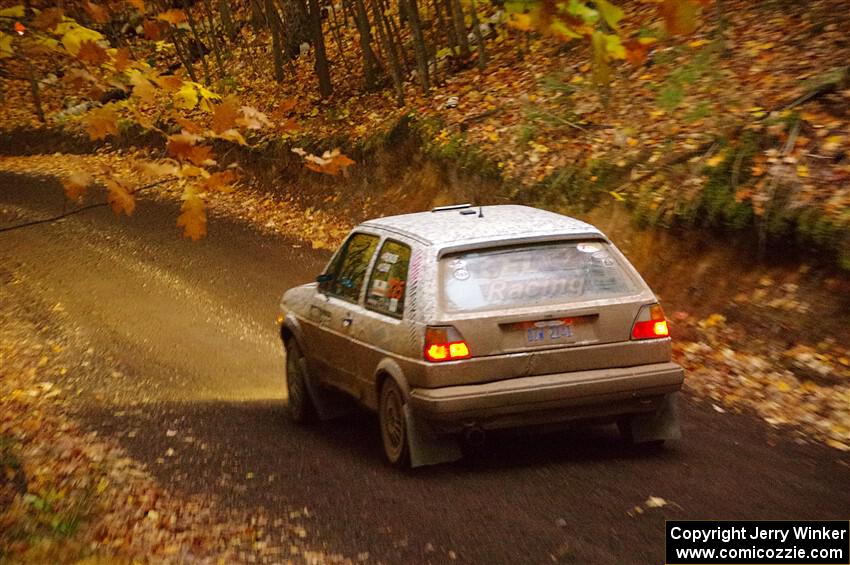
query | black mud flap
(329,404)
(663,424)
(425,446)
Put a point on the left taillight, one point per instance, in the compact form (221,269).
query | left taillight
(650,323)
(444,343)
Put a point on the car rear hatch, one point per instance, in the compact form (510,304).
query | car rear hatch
(569,304)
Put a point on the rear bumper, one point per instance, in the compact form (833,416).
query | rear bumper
(548,398)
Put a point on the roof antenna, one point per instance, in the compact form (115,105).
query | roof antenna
(481,211)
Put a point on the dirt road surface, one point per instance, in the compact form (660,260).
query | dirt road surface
(180,343)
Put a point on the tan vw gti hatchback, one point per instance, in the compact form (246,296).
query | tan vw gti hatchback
(460,320)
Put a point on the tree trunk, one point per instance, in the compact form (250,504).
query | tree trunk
(214,38)
(296,27)
(181,54)
(479,38)
(197,37)
(419,46)
(447,26)
(226,18)
(273,19)
(460,28)
(371,67)
(322,70)
(389,49)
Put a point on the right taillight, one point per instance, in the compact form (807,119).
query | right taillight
(444,343)
(650,323)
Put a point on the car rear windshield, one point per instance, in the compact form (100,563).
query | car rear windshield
(563,272)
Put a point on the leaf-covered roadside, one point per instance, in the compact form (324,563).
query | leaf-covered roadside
(70,496)
(802,389)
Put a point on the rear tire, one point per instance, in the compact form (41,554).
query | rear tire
(393,424)
(299,406)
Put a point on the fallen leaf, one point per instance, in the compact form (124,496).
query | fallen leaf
(174,17)
(193,218)
(92,53)
(120,199)
(75,185)
(655,502)
(225,115)
(101,122)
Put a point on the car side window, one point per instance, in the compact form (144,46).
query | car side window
(387,285)
(349,267)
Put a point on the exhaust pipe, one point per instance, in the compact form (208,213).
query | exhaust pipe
(474,436)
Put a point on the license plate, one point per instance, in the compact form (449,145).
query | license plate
(548,333)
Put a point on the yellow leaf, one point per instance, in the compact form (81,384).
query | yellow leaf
(715,160)
(617,196)
(802,171)
(187,97)
(6,49)
(74,34)
(232,135)
(193,218)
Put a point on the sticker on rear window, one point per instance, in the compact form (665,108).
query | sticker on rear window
(588,247)
(461,274)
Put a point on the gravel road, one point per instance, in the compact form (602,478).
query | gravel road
(188,334)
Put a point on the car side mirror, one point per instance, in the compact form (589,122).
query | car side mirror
(325,278)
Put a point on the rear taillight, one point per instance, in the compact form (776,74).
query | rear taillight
(650,323)
(444,343)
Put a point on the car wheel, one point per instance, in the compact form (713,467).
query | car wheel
(393,426)
(300,406)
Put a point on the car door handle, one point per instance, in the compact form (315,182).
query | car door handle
(346,322)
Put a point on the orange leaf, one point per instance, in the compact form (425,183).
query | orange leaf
(96,12)
(153,29)
(187,125)
(75,185)
(138,5)
(173,17)
(143,89)
(220,182)
(680,16)
(169,82)
(225,115)
(193,218)
(48,19)
(180,145)
(119,198)
(20,28)
(201,155)
(122,59)
(636,52)
(92,53)
(101,122)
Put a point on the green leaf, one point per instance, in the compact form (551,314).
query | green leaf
(613,47)
(15,12)
(562,30)
(610,13)
(581,10)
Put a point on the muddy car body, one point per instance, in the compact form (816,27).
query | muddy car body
(461,320)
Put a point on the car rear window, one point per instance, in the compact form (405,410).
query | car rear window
(563,272)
